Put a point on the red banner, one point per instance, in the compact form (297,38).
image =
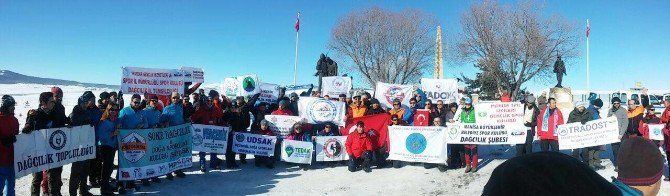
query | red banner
(421,117)
(375,125)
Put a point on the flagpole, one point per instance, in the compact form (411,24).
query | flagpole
(588,66)
(295,66)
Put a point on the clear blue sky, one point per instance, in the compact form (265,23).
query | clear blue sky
(89,41)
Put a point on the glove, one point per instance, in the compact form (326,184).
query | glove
(120,95)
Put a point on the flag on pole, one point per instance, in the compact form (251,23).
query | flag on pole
(297,23)
(588,28)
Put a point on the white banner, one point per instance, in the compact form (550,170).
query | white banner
(499,113)
(281,125)
(593,133)
(194,75)
(656,131)
(50,148)
(297,151)
(319,110)
(230,88)
(417,144)
(247,143)
(210,138)
(269,93)
(386,93)
(440,89)
(335,85)
(485,134)
(248,85)
(331,148)
(137,80)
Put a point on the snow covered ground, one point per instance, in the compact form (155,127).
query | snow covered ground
(287,179)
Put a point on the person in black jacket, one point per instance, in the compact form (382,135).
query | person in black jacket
(375,108)
(530,112)
(239,119)
(42,118)
(580,115)
(80,169)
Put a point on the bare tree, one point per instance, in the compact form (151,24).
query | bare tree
(514,44)
(384,46)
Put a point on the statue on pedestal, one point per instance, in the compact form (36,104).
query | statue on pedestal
(325,67)
(559,69)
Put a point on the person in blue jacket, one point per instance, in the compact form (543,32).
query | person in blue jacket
(131,117)
(173,115)
(107,142)
(95,114)
(408,117)
(152,115)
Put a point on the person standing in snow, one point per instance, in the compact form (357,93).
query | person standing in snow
(547,122)
(42,118)
(622,121)
(530,113)
(153,116)
(173,115)
(107,132)
(9,128)
(581,115)
(207,115)
(471,155)
(80,169)
(131,117)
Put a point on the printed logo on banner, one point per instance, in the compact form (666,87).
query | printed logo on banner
(563,132)
(416,143)
(151,172)
(58,139)
(197,138)
(239,137)
(453,132)
(134,147)
(332,148)
(338,84)
(230,87)
(289,150)
(249,84)
(137,172)
(657,130)
(322,111)
(393,93)
(482,114)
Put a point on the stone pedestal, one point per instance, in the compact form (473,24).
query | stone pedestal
(563,98)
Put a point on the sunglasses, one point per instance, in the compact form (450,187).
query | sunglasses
(175,97)
(616,103)
(153,100)
(137,102)
(396,104)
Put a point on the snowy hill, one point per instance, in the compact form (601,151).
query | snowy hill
(9,77)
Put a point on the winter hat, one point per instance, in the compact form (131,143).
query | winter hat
(283,103)
(213,94)
(342,96)
(265,122)
(374,101)
(544,173)
(467,100)
(153,96)
(580,104)
(174,94)
(293,94)
(615,99)
(56,90)
(598,103)
(104,95)
(7,101)
(88,95)
(44,97)
(640,163)
(530,99)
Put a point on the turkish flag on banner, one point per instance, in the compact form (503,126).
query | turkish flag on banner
(377,127)
(421,117)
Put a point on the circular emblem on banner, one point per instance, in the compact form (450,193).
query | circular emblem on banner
(58,139)
(562,132)
(394,92)
(197,139)
(249,84)
(657,131)
(322,111)
(453,132)
(134,147)
(339,84)
(438,85)
(289,150)
(239,137)
(416,143)
(332,148)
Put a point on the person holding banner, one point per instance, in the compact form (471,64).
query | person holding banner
(173,115)
(95,114)
(239,120)
(107,132)
(207,115)
(43,118)
(80,169)
(9,128)
(153,116)
(298,134)
(468,116)
(581,115)
(408,116)
(359,148)
(283,109)
(547,123)
(530,114)
(375,108)
(650,118)
(131,117)
(397,110)
(358,109)
(456,156)
(264,129)
(635,114)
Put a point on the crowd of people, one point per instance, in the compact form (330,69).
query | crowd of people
(247,114)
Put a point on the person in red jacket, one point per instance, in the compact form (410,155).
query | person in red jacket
(359,148)
(207,114)
(648,119)
(9,128)
(283,109)
(547,122)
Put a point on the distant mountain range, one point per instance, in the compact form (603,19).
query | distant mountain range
(10,77)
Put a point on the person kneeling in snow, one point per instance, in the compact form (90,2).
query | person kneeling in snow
(359,148)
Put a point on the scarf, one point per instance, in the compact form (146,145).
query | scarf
(545,120)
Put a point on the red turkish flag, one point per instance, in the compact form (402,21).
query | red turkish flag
(421,117)
(377,127)
(297,23)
